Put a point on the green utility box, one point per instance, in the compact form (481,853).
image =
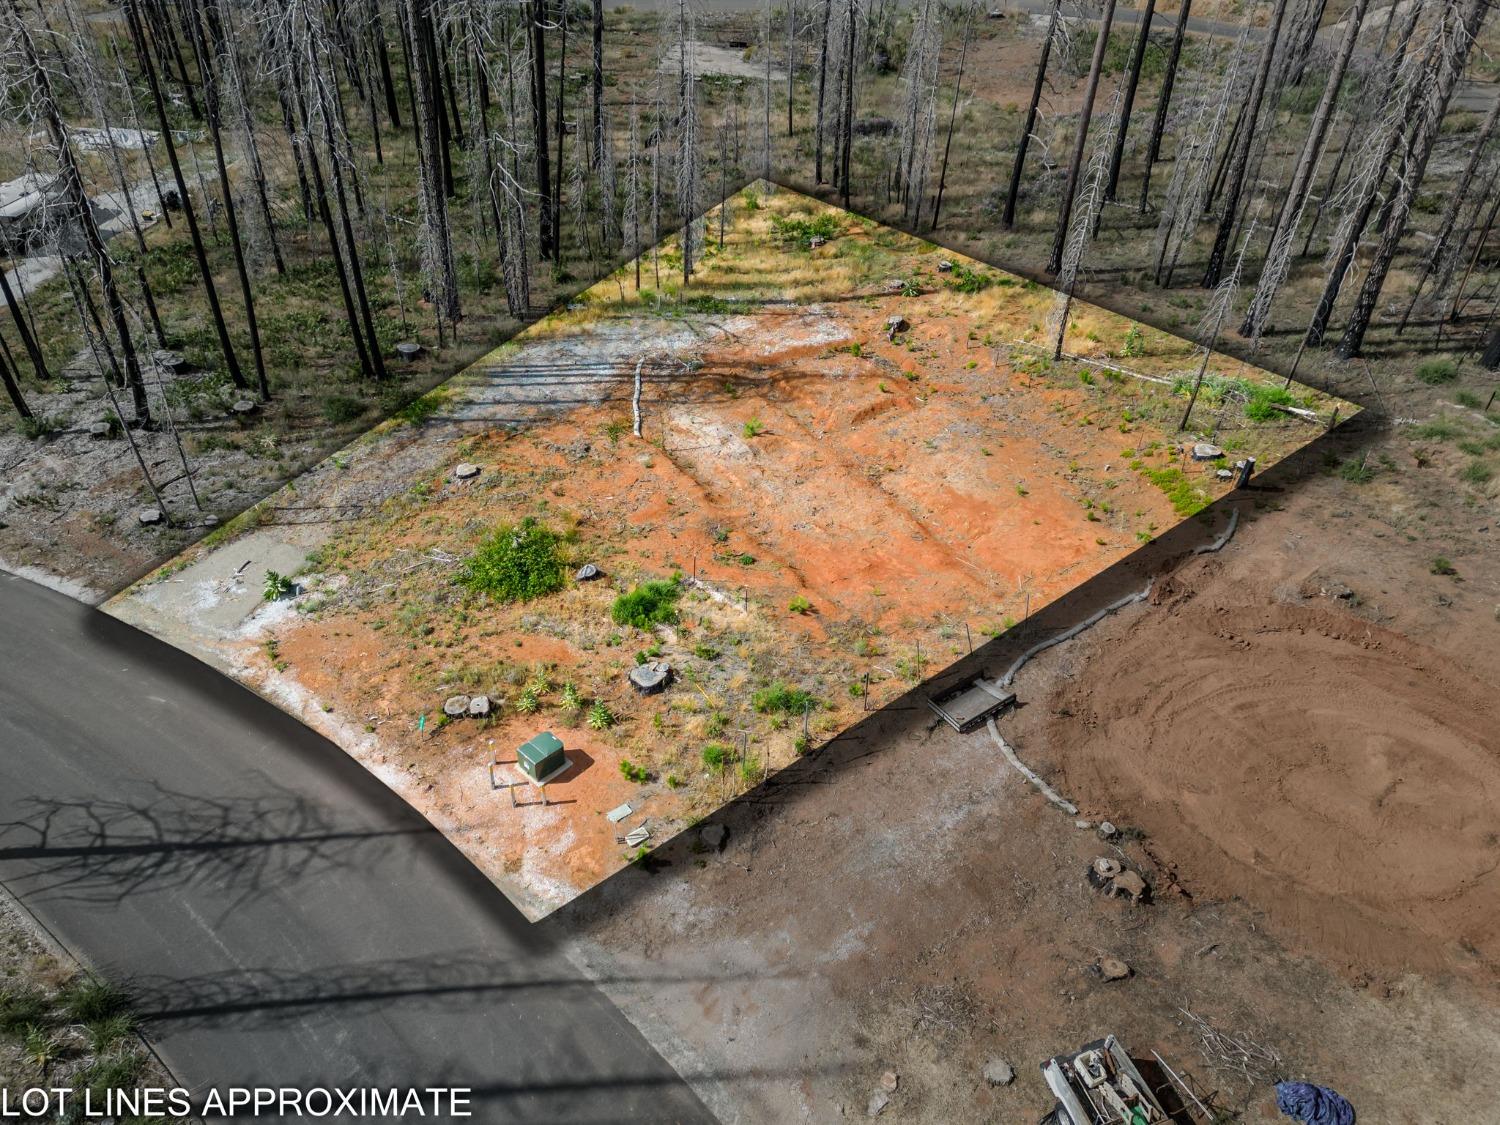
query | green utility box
(541,756)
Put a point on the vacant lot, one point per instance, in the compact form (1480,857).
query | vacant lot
(832,465)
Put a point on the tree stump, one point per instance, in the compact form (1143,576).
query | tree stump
(466,471)
(456,705)
(150,517)
(408,350)
(479,706)
(169,361)
(1206,451)
(586,573)
(651,677)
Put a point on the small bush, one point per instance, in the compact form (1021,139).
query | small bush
(277,586)
(1263,402)
(1440,565)
(632,772)
(962,279)
(715,754)
(1435,372)
(600,716)
(516,564)
(651,603)
(754,428)
(90,1000)
(801,232)
(1357,472)
(783,700)
(20,1010)
(339,409)
(799,604)
(1476,472)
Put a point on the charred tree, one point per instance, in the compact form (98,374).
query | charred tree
(1075,165)
(1008,218)
(1137,58)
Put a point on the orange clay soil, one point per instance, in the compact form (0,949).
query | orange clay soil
(845,507)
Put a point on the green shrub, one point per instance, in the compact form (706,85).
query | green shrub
(962,279)
(801,232)
(90,1000)
(1440,565)
(277,586)
(339,409)
(1264,400)
(715,754)
(600,716)
(799,604)
(651,603)
(783,700)
(632,772)
(1435,372)
(1477,472)
(516,564)
(20,1010)
(754,428)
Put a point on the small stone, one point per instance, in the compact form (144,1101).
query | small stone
(945,266)
(1224,474)
(100,431)
(1107,868)
(210,521)
(479,706)
(889,1081)
(1107,831)
(815,241)
(150,516)
(998,1072)
(586,573)
(713,836)
(456,705)
(1084,824)
(894,284)
(466,471)
(1112,969)
(878,1101)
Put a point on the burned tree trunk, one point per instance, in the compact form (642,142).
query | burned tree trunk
(1137,57)
(1164,101)
(547,221)
(822,91)
(1065,209)
(13,391)
(1008,219)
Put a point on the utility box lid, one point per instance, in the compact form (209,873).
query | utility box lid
(540,755)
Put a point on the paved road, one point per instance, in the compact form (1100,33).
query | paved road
(281,918)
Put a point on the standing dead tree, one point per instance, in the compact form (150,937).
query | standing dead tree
(1080,137)
(433,167)
(958,84)
(687,138)
(1460,22)
(1137,59)
(40,104)
(1213,321)
(1294,202)
(919,81)
(1085,217)
(1164,100)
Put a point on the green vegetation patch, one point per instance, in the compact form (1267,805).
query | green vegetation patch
(651,603)
(801,232)
(1187,498)
(779,699)
(516,564)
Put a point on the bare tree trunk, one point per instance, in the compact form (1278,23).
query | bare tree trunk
(1453,53)
(383,56)
(1008,219)
(546,219)
(13,391)
(1293,203)
(434,171)
(28,339)
(849,101)
(1065,210)
(1242,149)
(1137,57)
(822,88)
(562,133)
(78,202)
(599,154)
(231,361)
(1163,103)
(958,82)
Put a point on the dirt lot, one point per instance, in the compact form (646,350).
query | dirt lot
(905,901)
(839,509)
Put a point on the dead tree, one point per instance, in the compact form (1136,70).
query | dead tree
(1137,57)
(1065,208)
(45,107)
(1461,20)
(1294,202)
(687,141)
(433,169)
(189,212)
(1085,216)
(13,391)
(822,91)
(919,78)
(1164,100)
(1213,321)
(537,50)
(598,87)
(1242,147)
(958,83)
(1008,218)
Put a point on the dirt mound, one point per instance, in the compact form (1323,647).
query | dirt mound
(1336,775)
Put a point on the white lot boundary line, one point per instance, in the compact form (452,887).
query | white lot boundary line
(1005,681)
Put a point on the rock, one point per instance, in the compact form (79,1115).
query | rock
(713,836)
(210,521)
(479,706)
(1128,884)
(1084,824)
(408,350)
(893,285)
(1206,451)
(1112,969)
(998,1072)
(149,517)
(1224,474)
(995,14)
(896,323)
(878,1101)
(945,266)
(586,573)
(815,241)
(456,705)
(101,431)
(466,471)
(1107,831)
(651,677)
(1107,868)
(889,1081)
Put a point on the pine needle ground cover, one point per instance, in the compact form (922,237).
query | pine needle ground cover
(806,482)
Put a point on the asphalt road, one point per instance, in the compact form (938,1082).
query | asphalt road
(279,916)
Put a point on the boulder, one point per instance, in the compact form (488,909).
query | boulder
(896,323)
(945,266)
(713,836)
(101,431)
(998,1072)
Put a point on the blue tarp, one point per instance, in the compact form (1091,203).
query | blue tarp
(1313,1105)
